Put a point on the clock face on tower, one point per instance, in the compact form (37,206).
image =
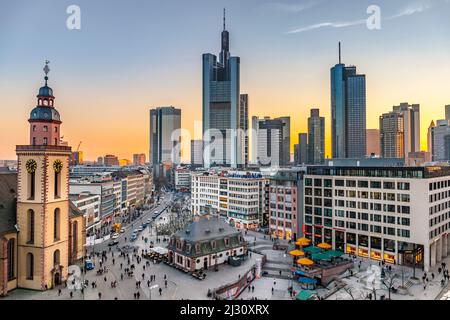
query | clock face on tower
(31,166)
(57,166)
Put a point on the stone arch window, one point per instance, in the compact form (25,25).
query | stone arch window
(11,257)
(56,141)
(30,266)
(34,128)
(45,128)
(45,141)
(56,129)
(34,141)
(56,257)
(56,224)
(30,226)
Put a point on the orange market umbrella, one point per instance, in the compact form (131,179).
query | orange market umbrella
(324,245)
(303,242)
(297,253)
(305,262)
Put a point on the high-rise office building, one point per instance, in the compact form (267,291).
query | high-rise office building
(411,118)
(268,142)
(221,104)
(373,142)
(391,135)
(348,111)
(197,153)
(400,131)
(165,140)
(447,112)
(430,137)
(440,135)
(316,138)
(286,147)
(301,149)
(243,125)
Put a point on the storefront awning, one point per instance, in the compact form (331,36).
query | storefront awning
(305,295)
(313,250)
(324,245)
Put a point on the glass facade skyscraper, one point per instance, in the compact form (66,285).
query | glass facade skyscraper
(316,138)
(164,122)
(348,112)
(221,108)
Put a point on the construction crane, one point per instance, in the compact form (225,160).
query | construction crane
(78,148)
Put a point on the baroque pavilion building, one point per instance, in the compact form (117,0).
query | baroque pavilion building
(41,232)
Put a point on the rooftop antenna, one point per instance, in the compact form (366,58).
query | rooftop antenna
(339,52)
(224,18)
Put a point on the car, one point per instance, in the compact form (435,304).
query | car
(133,237)
(122,230)
(115,236)
(113,243)
(135,231)
(140,229)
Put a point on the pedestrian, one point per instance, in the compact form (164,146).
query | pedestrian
(138,295)
(272,290)
(148,283)
(165,283)
(279,272)
(121,266)
(249,288)
(160,291)
(59,292)
(432,276)
(253,288)
(143,267)
(143,276)
(113,260)
(134,296)
(71,294)
(105,279)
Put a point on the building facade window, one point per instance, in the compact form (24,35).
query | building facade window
(56,257)
(11,257)
(30,226)
(56,224)
(30,266)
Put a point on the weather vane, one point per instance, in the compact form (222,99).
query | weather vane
(46,68)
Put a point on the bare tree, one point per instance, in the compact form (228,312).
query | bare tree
(388,281)
(349,291)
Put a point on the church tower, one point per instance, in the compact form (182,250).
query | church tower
(43,198)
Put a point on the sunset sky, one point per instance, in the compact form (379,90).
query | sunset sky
(130,56)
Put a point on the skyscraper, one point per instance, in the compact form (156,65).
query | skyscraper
(243,124)
(440,135)
(447,112)
(411,125)
(221,104)
(373,142)
(316,138)
(301,149)
(400,131)
(286,147)
(164,139)
(197,153)
(391,135)
(268,143)
(348,111)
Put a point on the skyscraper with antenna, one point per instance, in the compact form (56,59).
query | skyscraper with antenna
(224,145)
(348,111)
